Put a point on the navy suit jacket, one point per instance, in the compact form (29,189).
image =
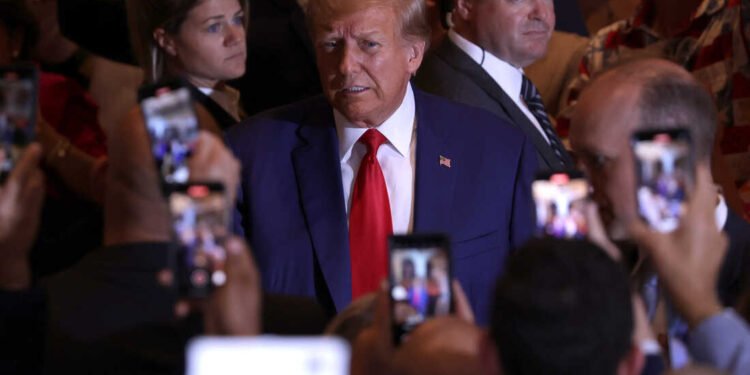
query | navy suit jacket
(449,72)
(292,211)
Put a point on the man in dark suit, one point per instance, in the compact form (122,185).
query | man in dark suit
(643,95)
(318,216)
(481,63)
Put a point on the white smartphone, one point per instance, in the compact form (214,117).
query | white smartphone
(268,355)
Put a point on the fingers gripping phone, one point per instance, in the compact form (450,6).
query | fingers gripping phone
(172,127)
(420,280)
(665,171)
(200,218)
(18,106)
(560,199)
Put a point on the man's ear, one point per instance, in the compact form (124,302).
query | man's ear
(416,54)
(632,363)
(165,41)
(488,355)
(463,9)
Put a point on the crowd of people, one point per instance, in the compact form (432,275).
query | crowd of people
(317,129)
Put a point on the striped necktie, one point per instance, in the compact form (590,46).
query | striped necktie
(533,100)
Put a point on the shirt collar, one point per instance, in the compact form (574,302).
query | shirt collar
(507,76)
(397,129)
(722,212)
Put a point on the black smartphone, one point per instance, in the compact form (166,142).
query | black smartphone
(200,218)
(18,105)
(560,199)
(420,280)
(172,126)
(665,172)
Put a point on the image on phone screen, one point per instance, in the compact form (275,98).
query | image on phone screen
(18,98)
(664,167)
(420,281)
(172,127)
(560,200)
(201,225)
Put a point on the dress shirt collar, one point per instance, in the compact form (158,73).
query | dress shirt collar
(722,212)
(397,129)
(507,76)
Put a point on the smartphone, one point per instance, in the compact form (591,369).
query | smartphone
(420,280)
(320,355)
(665,170)
(200,218)
(560,199)
(18,105)
(172,126)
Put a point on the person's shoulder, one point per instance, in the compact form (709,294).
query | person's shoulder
(467,119)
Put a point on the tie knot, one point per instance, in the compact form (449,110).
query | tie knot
(372,139)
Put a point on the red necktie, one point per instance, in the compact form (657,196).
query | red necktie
(369,220)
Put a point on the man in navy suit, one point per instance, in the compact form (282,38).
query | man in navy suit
(324,181)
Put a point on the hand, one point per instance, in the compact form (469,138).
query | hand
(372,352)
(461,303)
(21,200)
(233,308)
(598,234)
(688,259)
(134,208)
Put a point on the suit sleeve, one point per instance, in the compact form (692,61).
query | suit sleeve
(523,215)
(722,341)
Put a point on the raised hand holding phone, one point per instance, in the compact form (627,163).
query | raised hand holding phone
(420,280)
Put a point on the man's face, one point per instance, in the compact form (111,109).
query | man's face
(365,63)
(516,31)
(602,123)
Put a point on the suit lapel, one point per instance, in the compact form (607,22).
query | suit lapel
(434,182)
(318,171)
(455,57)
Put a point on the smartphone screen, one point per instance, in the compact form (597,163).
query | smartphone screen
(200,219)
(172,126)
(665,171)
(420,280)
(560,200)
(18,105)
(268,355)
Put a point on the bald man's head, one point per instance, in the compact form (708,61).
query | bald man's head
(441,346)
(646,94)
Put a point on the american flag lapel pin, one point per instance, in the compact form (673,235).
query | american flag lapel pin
(445,162)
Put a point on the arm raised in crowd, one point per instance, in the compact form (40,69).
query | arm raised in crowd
(688,261)
(21,308)
(20,207)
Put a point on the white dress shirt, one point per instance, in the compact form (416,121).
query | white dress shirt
(508,77)
(396,157)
